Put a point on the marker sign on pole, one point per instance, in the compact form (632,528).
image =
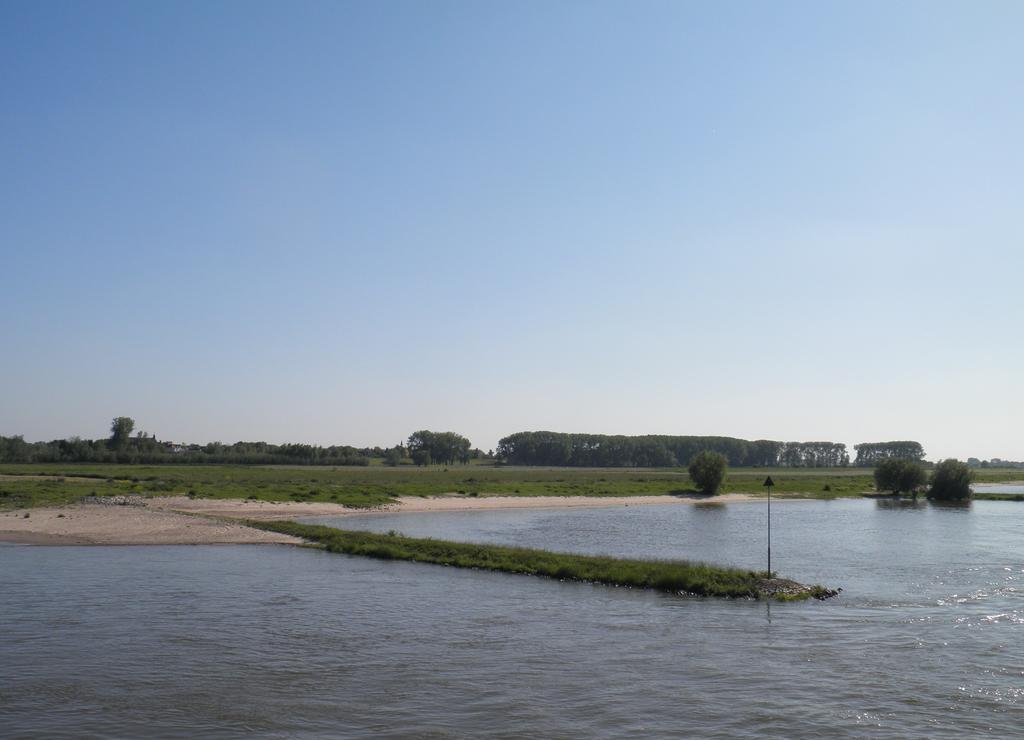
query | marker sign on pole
(768,483)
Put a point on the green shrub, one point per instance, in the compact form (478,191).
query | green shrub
(951,481)
(899,475)
(707,471)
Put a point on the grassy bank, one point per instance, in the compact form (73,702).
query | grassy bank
(982,496)
(667,576)
(364,487)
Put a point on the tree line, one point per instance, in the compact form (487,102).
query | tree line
(149,451)
(870,454)
(600,450)
(124,447)
(995,462)
(425,447)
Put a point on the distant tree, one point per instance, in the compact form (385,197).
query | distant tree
(421,456)
(707,471)
(871,453)
(899,475)
(120,431)
(395,455)
(813,455)
(15,449)
(951,481)
(445,448)
(654,450)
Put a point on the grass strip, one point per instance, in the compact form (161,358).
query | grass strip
(998,496)
(55,484)
(675,576)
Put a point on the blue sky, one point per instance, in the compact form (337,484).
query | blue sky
(341,222)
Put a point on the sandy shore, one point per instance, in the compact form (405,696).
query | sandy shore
(179,520)
(461,503)
(84,524)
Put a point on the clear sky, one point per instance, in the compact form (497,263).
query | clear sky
(342,222)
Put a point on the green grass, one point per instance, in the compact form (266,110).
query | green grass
(376,485)
(667,576)
(998,496)
(24,494)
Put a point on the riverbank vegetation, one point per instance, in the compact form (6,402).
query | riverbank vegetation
(707,471)
(900,475)
(951,481)
(682,577)
(53,484)
(988,496)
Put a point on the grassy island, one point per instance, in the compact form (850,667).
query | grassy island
(658,575)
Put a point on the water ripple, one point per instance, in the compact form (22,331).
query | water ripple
(282,642)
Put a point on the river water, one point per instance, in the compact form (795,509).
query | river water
(240,641)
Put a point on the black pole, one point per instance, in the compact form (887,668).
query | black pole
(769,531)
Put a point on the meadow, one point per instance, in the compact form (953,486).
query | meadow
(51,484)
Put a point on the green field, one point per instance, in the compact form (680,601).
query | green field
(673,576)
(53,483)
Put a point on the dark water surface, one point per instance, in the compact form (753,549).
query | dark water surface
(276,641)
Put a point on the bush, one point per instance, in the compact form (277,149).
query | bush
(707,471)
(899,475)
(951,481)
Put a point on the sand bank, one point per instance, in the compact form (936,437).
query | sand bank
(465,503)
(83,524)
(265,510)
(179,520)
